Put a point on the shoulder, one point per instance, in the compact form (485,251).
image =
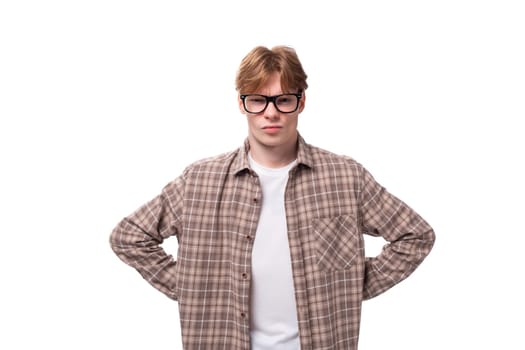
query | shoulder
(322,158)
(203,172)
(218,164)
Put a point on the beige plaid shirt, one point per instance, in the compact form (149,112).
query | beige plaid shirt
(213,209)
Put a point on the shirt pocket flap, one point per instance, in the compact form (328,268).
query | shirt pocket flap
(338,242)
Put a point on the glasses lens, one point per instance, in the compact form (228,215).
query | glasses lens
(287,103)
(255,103)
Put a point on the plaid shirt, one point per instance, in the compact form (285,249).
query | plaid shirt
(213,209)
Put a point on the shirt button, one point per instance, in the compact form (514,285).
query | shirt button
(243,315)
(248,237)
(244,276)
(255,200)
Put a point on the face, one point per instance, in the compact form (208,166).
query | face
(271,128)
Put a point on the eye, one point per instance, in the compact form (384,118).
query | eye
(286,99)
(256,99)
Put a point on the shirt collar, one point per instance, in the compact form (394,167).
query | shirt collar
(240,163)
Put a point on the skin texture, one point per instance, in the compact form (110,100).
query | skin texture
(272,134)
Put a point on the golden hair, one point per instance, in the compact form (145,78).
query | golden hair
(261,62)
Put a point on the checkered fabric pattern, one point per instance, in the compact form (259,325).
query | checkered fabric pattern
(213,210)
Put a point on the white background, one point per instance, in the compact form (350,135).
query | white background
(103,102)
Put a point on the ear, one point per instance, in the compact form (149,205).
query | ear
(302,102)
(241,106)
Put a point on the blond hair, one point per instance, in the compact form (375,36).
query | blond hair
(260,63)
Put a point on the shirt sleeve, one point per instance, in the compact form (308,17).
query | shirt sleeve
(410,238)
(137,239)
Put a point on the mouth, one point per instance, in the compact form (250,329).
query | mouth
(271,129)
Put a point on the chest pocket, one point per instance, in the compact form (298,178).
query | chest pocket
(338,242)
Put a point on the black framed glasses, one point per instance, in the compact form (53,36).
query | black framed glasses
(284,103)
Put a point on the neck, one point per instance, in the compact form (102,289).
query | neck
(274,156)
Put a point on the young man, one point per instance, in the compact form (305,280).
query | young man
(270,252)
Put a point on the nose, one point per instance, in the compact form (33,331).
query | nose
(271,112)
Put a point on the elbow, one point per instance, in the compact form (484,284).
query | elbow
(426,243)
(117,238)
(431,238)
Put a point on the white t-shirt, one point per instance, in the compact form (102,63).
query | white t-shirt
(273,310)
